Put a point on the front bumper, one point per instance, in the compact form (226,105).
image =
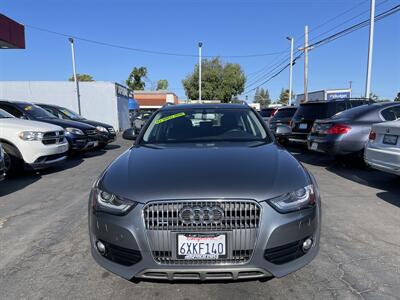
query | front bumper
(48,161)
(81,143)
(384,160)
(106,138)
(34,151)
(128,233)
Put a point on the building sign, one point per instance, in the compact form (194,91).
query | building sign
(12,34)
(337,95)
(123,91)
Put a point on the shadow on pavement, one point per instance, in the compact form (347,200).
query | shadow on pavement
(112,147)
(351,170)
(11,185)
(28,177)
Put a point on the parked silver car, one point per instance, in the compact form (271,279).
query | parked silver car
(205,193)
(383,148)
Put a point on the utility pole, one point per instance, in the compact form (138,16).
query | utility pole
(306,63)
(200,45)
(291,69)
(350,85)
(370,49)
(71,40)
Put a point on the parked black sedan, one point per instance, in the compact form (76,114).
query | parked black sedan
(80,136)
(347,133)
(106,133)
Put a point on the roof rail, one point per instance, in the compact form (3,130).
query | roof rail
(243,102)
(167,104)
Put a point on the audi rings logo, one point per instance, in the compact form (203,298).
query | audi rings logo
(201,215)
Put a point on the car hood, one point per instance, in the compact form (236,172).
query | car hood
(28,125)
(258,172)
(67,123)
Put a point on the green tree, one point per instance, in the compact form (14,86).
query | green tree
(284,97)
(262,96)
(135,81)
(162,84)
(82,77)
(220,81)
(397,97)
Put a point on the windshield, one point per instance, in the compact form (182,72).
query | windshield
(266,113)
(284,113)
(36,111)
(5,115)
(354,112)
(204,125)
(313,111)
(70,114)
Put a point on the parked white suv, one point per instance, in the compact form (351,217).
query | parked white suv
(35,144)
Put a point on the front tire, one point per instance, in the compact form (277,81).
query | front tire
(14,163)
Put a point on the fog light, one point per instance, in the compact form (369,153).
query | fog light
(101,247)
(307,244)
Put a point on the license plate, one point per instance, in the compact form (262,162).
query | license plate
(303,126)
(390,139)
(314,146)
(201,246)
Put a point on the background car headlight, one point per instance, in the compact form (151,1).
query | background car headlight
(74,131)
(31,135)
(101,129)
(294,201)
(110,203)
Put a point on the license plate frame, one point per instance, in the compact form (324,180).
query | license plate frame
(205,256)
(303,126)
(314,146)
(390,139)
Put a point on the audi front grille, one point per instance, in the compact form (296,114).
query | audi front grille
(238,219)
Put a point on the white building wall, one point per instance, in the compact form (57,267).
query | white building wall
(98,98)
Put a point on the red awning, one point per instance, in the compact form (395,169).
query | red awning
(12,34)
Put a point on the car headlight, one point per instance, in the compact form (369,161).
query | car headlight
(74,131)
(110,203)
(31,135)
(294,201)
(101,129)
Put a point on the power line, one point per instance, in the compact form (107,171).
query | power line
(332,38)
(311,30)
(155,52)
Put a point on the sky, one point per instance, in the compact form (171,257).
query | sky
(227,28)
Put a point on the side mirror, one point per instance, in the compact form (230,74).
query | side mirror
(23,117)
(129,134)
(283,130)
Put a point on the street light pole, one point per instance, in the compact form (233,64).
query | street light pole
(306,64)
(370,49)
(71,40)
(200,45)
(291,69)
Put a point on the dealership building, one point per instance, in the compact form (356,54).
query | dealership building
(324,95)
(102,101)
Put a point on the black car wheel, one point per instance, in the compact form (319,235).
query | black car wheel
(12,160)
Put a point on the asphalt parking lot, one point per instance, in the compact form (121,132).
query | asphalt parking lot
(44,246)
